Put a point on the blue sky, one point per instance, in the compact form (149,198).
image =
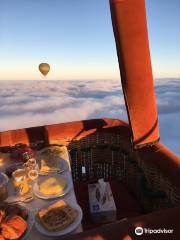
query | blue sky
(76,38)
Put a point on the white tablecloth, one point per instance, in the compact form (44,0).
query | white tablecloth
(38,203)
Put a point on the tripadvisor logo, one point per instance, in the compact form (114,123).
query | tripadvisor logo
(139,231)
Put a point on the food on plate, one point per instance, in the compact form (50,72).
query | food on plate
(52,150)
(1,237)
(57,216)
(14,227)
(49,159)
(52,185)
(12,221)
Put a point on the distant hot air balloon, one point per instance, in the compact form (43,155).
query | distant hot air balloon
(44,68)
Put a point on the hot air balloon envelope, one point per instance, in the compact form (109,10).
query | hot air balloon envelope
(44,68)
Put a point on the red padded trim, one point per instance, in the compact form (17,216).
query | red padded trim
(64,130)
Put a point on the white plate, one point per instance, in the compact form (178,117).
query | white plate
(65,231)
(30,223)
(43,196)
(63,167)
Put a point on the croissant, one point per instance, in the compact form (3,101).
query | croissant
(14,227)
(1,237)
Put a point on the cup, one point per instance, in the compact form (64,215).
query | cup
(21,182)
(18,176)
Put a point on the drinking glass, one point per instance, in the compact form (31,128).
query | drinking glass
(32,176)
(20,182)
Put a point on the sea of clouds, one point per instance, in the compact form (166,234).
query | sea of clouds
(36,103)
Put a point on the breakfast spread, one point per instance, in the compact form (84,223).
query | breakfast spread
(23,179)
(49,159)
(57,216)
(52,185)
(12,221)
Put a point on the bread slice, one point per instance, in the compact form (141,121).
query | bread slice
(57,216)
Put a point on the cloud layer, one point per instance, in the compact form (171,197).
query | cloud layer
(35,103)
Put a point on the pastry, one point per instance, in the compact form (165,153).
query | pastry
(12,221)
(57,216)
(52,186)
(13,228)
(1,237)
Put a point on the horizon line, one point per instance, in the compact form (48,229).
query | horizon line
(155,78)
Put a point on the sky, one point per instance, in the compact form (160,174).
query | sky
(76,39)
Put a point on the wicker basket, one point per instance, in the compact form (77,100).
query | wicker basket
(106,153)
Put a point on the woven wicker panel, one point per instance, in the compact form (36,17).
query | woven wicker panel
(99,155)
(104,155)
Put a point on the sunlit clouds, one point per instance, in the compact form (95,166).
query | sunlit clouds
(35,103)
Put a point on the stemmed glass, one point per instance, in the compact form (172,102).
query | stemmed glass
(32,170)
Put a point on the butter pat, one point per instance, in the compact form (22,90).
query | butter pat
(101,201)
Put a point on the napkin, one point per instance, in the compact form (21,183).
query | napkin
(103,190)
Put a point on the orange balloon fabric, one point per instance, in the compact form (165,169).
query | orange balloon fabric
(131,36)
(44,68)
